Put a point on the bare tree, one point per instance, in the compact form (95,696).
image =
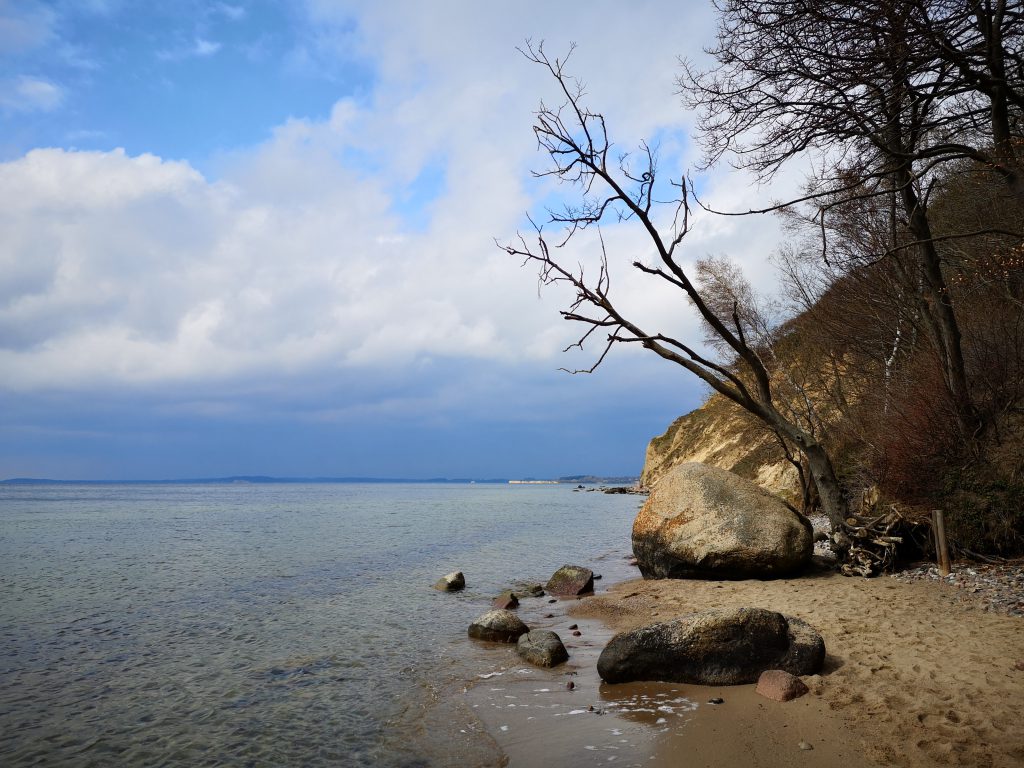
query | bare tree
(982,41)
(575,140)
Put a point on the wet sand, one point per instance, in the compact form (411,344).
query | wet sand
(910,679)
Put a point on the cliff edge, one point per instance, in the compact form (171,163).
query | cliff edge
(722,435)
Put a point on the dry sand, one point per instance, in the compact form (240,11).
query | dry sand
(911,679)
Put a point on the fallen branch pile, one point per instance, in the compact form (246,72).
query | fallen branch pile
(872,541)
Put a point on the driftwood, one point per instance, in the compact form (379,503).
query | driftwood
(870,542)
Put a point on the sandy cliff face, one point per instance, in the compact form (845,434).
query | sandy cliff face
(719,433)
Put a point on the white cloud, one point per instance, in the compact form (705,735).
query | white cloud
(29,94)
(232,12)
(136,270)
(24,25)
(201,48)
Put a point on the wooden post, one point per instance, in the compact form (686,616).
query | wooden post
(941,548)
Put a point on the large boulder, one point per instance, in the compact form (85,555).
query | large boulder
(498,626)
(571,580)
(701,521)
(542,647)
(720,647)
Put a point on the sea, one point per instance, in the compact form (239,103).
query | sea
(269,624)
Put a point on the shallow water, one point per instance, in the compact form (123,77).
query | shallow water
(263,624)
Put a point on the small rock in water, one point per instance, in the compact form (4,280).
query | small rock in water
(552,600)
(543,648)
(549,615)
(597,576)
(453,582)
(716,701)
(805,746)
(498,626)
(570,685)
(571,580)
(576,633)
(530,590)
(574,626)
(505,601)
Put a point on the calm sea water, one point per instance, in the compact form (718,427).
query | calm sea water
(262,624)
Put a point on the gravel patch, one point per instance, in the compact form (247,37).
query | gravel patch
(992,588)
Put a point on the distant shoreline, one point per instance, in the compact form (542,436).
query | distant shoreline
(267,480)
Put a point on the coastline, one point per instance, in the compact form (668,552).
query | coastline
(913,677)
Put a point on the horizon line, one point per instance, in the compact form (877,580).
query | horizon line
(270,479)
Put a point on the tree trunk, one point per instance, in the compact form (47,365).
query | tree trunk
(940,316)
(830,493)
(819,466)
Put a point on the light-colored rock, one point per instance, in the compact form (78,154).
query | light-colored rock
(542,648)
(570,580)
(719,647)
(498,626)
(701,521)
(779,685)
(453,582)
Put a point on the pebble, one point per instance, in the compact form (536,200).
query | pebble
(716,701)
(994,588)
(576,633)
(574,626)
(552,600)
(804,745)
(570,685)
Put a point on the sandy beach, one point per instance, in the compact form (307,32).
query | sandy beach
(914,676)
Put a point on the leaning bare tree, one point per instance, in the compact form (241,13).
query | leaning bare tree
(575,140)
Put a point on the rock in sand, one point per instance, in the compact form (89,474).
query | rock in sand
(779,685)
(701,521)
(718,647)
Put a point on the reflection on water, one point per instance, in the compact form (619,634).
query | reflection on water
(261,624)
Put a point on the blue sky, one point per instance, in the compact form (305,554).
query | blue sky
(258,238)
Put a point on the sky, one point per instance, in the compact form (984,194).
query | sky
(258,237)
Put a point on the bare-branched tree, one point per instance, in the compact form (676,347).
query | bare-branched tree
(575,140)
